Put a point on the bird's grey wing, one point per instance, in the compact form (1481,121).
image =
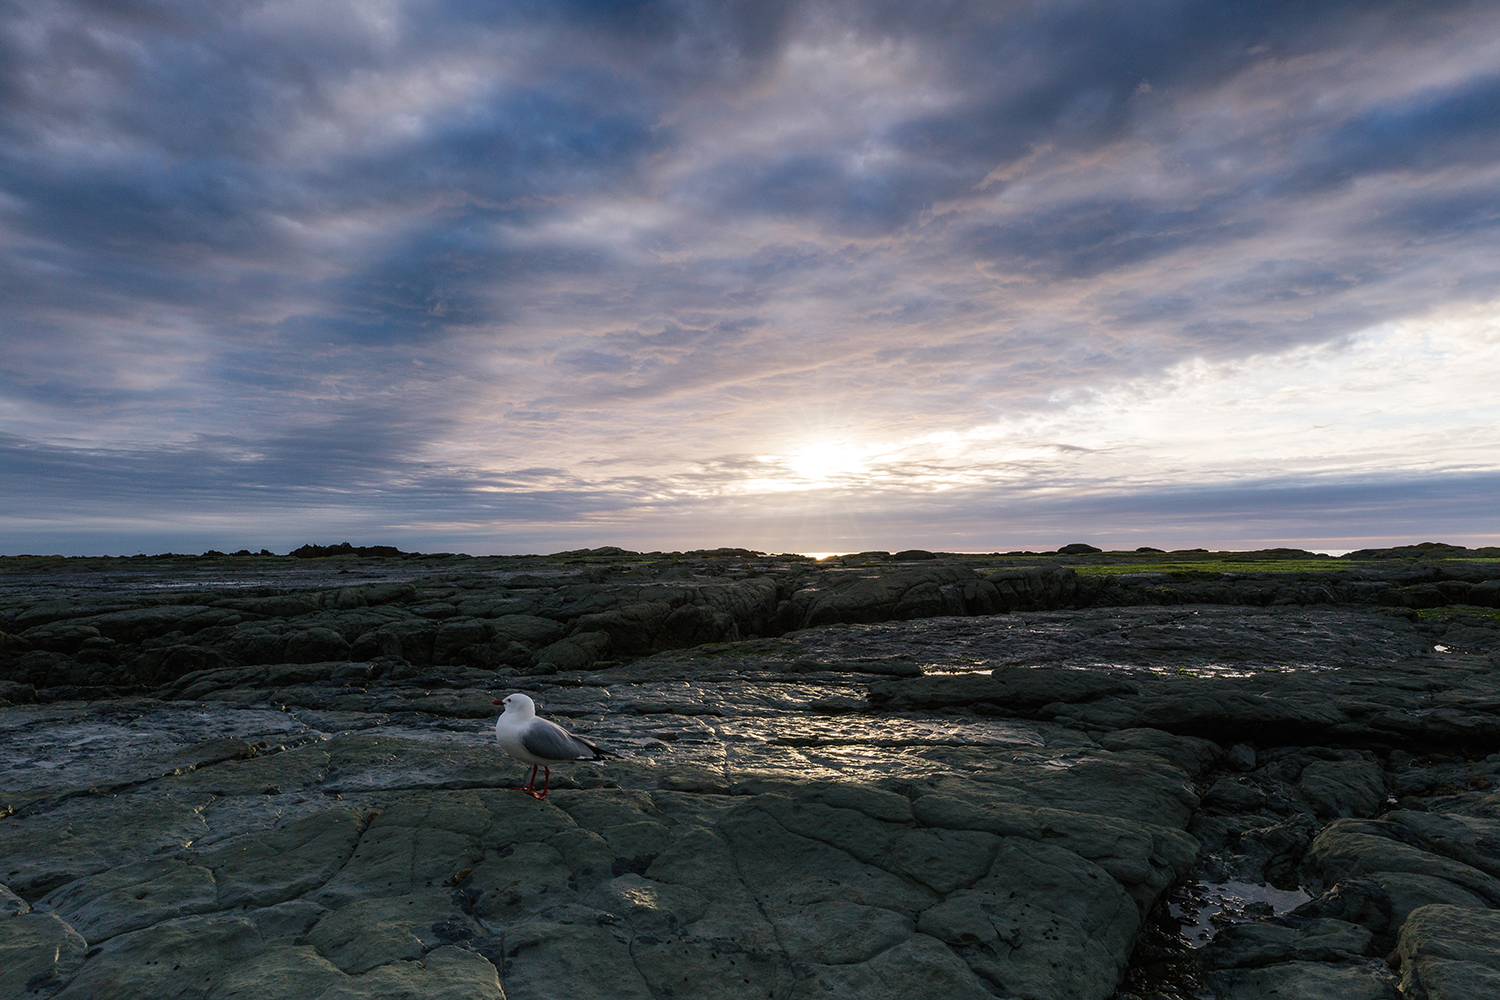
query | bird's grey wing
(549,740)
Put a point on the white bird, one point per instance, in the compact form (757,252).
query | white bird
(538,742)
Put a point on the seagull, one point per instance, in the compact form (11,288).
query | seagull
(538,742)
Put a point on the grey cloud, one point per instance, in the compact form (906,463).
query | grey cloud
(314,468)
(221,230)
(1086,238)
(190,124)
(1064,75)
(1461,213)
(587,362)
(833,188)
(525,516)
(1342,514)
(1432,131)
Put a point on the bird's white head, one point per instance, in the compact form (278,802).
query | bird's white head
(518,705)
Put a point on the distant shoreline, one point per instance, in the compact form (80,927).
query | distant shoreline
(1079,551)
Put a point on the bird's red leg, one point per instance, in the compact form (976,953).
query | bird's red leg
(546,782)
(530,787)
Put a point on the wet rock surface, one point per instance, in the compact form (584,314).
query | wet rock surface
(914,777)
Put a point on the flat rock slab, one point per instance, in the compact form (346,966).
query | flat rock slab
(1448,952)
(943,807)
(39,954)
(368,862)
(1310,981)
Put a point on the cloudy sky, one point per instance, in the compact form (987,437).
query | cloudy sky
(499,276)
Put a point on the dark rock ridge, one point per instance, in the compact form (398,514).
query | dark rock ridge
(880,776)
(538,616)
(345,549)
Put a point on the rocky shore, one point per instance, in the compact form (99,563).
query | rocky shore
(1069,775)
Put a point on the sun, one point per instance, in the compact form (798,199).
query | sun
(824,461)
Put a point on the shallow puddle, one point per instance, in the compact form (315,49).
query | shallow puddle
(1164,965)
(1201,908)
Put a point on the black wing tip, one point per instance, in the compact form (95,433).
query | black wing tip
(599,752)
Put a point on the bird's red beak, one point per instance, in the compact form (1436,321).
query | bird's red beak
(498,701)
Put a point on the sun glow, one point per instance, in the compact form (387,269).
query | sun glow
(821,462)
(1422,384)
